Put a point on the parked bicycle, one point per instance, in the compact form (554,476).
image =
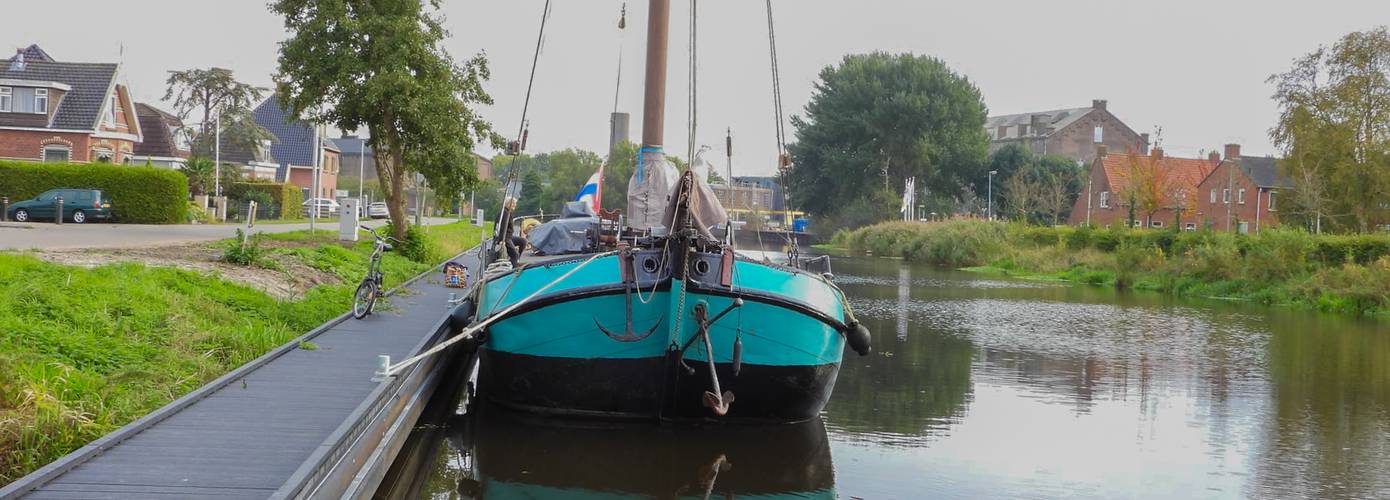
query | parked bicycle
(370,289)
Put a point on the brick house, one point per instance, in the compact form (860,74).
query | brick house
(63,111)
(1073,133)
(1246,187)
(293,150)
(164,143)
(1103,200)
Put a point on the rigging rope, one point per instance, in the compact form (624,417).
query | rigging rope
(521,130)
(783,161)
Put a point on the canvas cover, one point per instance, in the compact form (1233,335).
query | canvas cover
(649,190)
(568,234)
(704,206)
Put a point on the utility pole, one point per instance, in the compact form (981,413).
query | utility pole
(314,194)
(990,202)
(361,176)
(217,156)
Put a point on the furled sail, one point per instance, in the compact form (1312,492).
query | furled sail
(649,190)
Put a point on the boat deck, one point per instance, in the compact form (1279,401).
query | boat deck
(259,431)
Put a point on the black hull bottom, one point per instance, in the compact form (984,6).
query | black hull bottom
(652,388)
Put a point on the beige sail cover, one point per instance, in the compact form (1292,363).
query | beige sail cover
(649,190)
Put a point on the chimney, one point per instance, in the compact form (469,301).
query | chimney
(1101,151)
(1232,151)
(1156,152)
(1144,143)
(1214,157)
(18,63)
(1098,104)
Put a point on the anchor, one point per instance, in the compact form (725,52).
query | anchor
(716,400)
(625,263)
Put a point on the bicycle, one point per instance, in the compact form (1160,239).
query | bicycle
(365,299)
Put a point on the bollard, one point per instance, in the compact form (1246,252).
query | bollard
(4,208)
(58,217)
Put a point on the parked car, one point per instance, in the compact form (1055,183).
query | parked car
(326,207)
(378,210)
(79,206)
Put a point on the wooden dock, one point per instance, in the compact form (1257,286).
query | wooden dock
(294,423)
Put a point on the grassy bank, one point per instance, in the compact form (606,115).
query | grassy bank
(1335,273)
(86,350)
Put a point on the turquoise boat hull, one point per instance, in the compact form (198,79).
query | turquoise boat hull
(558,352)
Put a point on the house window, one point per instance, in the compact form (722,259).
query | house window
(6,99)
(41,101)
(111,112)
(1226,196)
(1157,224)
(1023,131)
(1213,195)
(1099,134)
(1189,227)
(1104,199)
(103,155)
(56,154)
(1003,131)
(1240,196)
(1271,202)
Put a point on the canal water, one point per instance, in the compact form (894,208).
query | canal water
(984,387)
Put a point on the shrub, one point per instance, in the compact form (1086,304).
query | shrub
(415,247)
(144,195)
(286,196)
(197,213)
(244,251)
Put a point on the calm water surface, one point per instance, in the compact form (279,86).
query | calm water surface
(983,387)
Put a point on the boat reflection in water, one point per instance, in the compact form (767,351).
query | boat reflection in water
(504,455)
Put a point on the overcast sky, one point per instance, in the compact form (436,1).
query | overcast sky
(1197,68)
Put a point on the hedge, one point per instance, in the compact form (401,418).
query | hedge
(145,195)
(288,196)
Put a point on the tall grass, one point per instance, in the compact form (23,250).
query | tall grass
(84,351)
(1341,273)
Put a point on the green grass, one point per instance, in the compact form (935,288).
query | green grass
(1280,267)
(85,351)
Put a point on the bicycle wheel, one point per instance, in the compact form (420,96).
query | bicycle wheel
(364,299)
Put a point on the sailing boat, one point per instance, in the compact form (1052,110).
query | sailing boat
(661,320)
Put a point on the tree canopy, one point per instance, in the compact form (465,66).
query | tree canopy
(1334,128)
(1038,189)
(212,92)
(875,119)
(381,65)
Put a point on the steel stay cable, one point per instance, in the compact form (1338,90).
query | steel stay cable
(391,369)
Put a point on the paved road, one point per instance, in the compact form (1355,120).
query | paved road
(47,236)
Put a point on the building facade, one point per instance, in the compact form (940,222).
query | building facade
(1242,193)
(65,112)
(1116,180)
(165,143)
(1073,133)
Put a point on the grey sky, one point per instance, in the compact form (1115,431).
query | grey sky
(1194,67)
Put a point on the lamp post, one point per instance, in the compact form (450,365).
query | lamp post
(990,202)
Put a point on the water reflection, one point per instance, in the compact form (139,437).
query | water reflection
(987,388)
(505,455)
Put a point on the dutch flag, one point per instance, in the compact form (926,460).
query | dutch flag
(592,192)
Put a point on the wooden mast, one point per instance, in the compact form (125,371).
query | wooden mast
(654,104)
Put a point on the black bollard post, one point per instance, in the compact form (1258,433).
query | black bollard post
(4,209)
(58,216)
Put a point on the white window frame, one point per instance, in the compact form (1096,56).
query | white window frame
(1271,201)
(1104,199)
(1213,195)
(1225,196)
(1189,227)
(1157,224)
(41,97)
(55,147)
(1240,196)
(98,153)
(6,99)
(111,112)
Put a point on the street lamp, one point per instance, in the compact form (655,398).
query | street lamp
(991,194)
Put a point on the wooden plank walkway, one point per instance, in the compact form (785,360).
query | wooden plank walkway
(246,434)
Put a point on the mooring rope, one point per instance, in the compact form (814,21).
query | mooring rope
(387,369)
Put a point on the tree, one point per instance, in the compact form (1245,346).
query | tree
(382,65)
(532,199)
(200,173)
(1334,125)
(211,92)
(878,118)
(1152,187)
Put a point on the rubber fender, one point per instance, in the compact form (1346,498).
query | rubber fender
(461,316)
(738,355)
(859,339)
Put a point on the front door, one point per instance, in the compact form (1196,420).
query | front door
(45,205)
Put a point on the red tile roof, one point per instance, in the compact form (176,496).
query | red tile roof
(1187,173)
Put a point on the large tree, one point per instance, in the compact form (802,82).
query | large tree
(1334,128)
(878,118)
(208,93)
(381,64)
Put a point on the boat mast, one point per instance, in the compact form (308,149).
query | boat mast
(654,104)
